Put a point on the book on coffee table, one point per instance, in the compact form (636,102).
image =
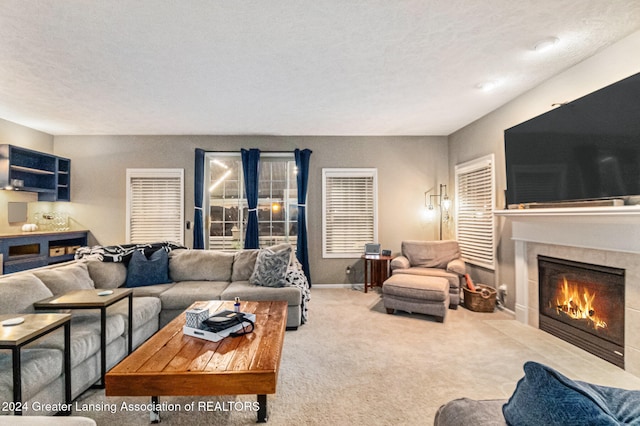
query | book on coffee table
(219,335)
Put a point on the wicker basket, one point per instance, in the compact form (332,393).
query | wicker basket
(481,300)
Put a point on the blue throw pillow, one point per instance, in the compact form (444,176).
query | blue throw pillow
(545,397)
(623,403)
(142,271)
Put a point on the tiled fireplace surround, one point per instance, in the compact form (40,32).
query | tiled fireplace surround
(603,236)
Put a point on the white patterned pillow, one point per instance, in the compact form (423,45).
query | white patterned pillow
(271,268)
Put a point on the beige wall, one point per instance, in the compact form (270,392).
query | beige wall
(486,135)
(16,134)
(25,137)
(407,167)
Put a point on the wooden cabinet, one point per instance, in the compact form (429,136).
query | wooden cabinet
(28,251)
(24,169)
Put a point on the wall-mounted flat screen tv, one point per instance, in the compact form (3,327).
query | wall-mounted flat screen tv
(588,149)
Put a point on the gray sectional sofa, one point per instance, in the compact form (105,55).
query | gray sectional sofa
(194,275)
(202,275)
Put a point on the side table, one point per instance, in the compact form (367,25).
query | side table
(91,299)
(35,326)
(376,270)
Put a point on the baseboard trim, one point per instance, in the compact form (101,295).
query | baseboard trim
(327,286)
(507,310)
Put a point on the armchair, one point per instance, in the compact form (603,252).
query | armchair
(434,259)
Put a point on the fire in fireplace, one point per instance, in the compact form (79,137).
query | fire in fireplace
(584,305)
(574,302)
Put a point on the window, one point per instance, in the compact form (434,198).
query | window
(155,200)
(349,204)
(475,199)
(228,209)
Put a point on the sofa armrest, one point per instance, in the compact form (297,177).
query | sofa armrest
(400,262)
(457,266)
(469,412)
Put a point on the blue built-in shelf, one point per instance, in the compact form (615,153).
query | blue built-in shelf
(35,249)
(23,169)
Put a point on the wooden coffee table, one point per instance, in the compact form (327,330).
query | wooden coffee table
(173,364)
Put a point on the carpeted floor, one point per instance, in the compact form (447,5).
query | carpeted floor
(354,364)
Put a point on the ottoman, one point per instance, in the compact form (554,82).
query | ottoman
(416,293)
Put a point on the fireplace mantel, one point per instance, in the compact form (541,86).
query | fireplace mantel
(586,214)
(603,228)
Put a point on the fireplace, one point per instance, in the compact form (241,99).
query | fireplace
(583,304)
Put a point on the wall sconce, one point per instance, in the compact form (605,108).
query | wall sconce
(444,204)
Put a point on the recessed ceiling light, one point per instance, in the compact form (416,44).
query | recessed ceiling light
(487,86)
(545,44)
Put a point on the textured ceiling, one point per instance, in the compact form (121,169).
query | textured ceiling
(285,67)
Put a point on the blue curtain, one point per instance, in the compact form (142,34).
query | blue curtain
(251,169)
(198,216)
(302,251)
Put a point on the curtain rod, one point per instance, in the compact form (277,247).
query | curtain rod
(267,153)
(235,152)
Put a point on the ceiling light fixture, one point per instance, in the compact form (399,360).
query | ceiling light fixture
(545,44)
(487,86)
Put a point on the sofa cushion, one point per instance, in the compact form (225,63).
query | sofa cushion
(415,287)
(247,291)
(66,278)
(85,335)
(19,292)
(145,309)
(200,265)
(243,263)
(107,274)
(151,290)
(454,279)
(271,268)
(544,396)
(183,294)
(430,254)
(39,367)
(142,271)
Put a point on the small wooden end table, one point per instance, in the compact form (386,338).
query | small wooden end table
(35,326)
(376,270)
(90,299)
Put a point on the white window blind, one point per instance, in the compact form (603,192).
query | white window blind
(155,200)
(475,199)
(349,211)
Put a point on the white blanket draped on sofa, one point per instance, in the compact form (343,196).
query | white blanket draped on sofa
(296,277)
